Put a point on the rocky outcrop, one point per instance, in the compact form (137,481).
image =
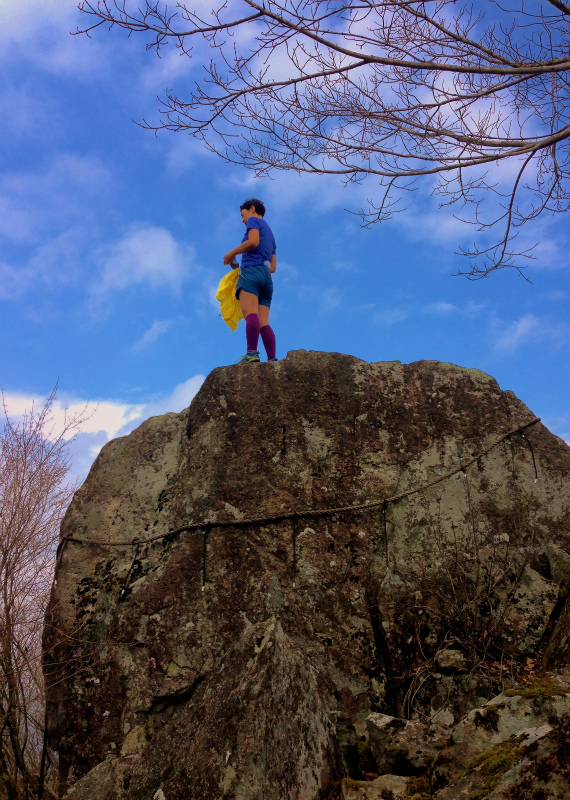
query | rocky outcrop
(514,747)
(187,657)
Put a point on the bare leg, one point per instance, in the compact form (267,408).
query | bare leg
(249,303)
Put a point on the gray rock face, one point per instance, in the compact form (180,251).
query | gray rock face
(391,786)
(559,564)
(216,747)
(511,746)
(557,654)
(514,746)
(401,747)
(359,602)
(452,661)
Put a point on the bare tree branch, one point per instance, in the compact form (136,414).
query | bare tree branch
(564,7)
(34,495)
(396,90)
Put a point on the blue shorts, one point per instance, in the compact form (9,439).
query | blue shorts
(258,281)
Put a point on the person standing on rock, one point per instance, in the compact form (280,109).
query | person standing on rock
(254,288)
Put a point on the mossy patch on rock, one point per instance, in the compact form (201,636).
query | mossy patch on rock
(419,788)
(364,599)
(495,762)
(538,687)
(545,764)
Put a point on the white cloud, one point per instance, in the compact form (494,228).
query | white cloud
(106,415)
(390,316)
(158,328)
(548,238)
(179,399)
(163,71)
(149,255)
(288,190)
(50,213)
(39,31)
(104,419)
(330,300)
(21,18)
(441,308)
(183,152)
(516,333)
(44,201)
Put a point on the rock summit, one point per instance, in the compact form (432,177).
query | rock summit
(308,585)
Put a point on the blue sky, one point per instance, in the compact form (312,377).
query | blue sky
(111,246)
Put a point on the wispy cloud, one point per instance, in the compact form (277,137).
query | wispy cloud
(184,153)
(158,328)
(47,217)
(330,300)
(529,329)
(390,316)
(516,333)
(57,262)
(38,31)
(147,254)
(288,191)
(38,203)
(14,281)
(34,114)
(553,296)
(445,309)
(158,73)
(441,308)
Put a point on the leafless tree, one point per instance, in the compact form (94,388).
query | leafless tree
(34,493)
(394,89)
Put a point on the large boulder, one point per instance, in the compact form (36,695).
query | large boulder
(199,527)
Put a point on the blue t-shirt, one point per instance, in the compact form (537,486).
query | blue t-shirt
(266,247)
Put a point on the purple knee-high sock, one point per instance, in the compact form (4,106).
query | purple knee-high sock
(268,339)
(252,331)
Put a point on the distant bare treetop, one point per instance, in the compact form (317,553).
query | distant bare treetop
(34,494)
(394,89)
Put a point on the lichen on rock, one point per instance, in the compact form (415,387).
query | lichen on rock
(151,649)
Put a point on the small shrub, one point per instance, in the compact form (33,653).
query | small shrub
(419,788)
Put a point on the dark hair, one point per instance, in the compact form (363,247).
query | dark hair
(257,204)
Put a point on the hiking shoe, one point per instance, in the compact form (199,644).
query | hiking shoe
(272,359)
(249,358)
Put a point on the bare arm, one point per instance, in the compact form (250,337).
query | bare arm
(250,244)
(273,263)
